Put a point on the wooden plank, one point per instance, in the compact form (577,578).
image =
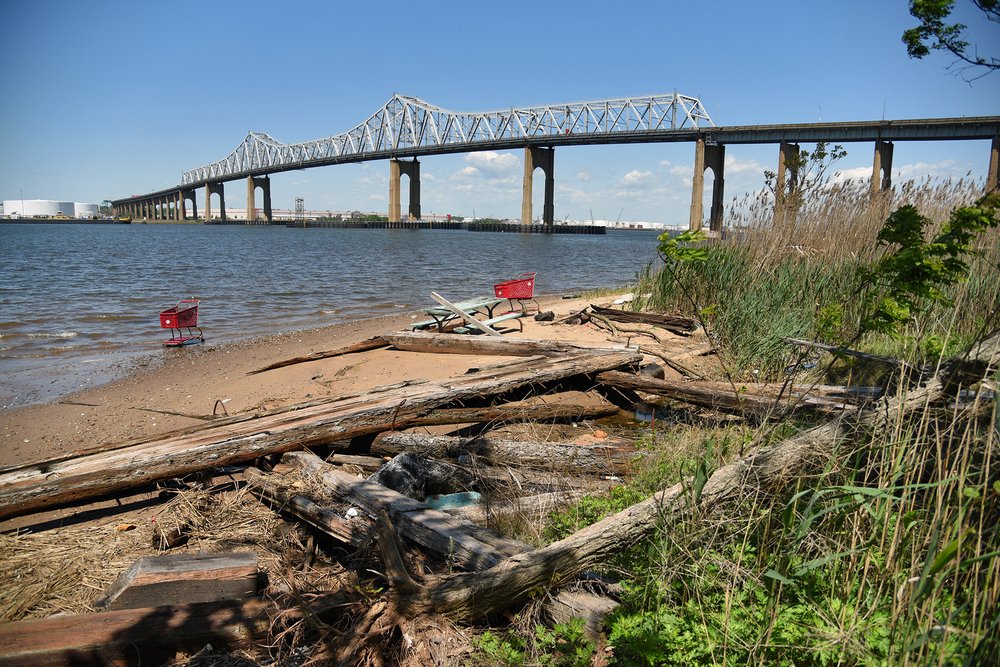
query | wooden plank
(470,319)
(130,637)
(155,581)
(423,341)
(30,488)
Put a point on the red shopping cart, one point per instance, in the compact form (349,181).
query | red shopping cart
(520,289)
(184,315)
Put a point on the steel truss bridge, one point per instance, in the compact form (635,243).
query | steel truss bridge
(410,127)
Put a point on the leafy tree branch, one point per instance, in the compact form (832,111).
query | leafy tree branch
(936,33)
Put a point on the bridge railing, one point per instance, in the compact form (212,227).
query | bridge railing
(405,124)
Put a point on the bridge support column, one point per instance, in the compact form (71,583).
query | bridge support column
(219,189)
(993,174)
(396,170)
(185,195)
(544,159)
(785,204)
(264,183)
(882,166)
(881,179)
(708,156)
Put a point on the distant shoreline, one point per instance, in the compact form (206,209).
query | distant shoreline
(62,221)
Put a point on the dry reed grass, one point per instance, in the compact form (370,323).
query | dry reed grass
(842,220)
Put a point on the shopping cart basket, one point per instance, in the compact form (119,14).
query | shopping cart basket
(520,289)
(184,315)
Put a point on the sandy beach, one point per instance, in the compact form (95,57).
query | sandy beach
(200,380)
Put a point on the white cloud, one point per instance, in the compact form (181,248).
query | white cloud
(855,173)
(636,178)
(681,170)
(583,175)
(665,163)
(465,173)
(376,197)
(942,169)
(736,166)
(492,164)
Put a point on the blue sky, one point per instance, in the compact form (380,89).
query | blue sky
(107,99)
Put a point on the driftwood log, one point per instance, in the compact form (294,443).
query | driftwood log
(374,343)
(424,341)
(719,396)
(847,352)
(34,487)
(354,531)
(548,455)
(470,596)
(674,323)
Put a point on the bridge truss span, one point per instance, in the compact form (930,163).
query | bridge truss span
(408,126)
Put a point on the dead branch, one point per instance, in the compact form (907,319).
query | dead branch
(374,343)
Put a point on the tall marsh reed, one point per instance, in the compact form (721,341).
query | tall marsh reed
(762,283)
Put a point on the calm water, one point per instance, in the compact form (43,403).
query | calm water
(79,303)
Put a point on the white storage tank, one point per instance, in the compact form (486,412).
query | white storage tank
(38,208)
(85,211)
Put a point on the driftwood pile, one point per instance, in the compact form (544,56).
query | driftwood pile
(436,563)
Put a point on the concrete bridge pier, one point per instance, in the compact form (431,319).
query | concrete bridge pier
(412,170)
(211,189)
(882,166)
(537,157)
(992,175)
(264,183)
(708,156)
(785,209)
(185,195)
(881,179)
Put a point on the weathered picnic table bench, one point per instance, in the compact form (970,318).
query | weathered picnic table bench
(482,306)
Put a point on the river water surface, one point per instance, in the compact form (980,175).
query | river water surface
(78,303)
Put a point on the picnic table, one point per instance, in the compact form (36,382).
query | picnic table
(444,316)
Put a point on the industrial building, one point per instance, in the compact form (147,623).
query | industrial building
(48,208)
